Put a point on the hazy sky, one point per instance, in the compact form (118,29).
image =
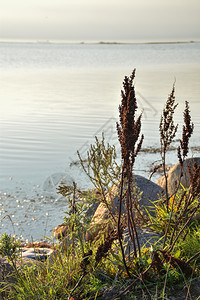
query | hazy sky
(100,20)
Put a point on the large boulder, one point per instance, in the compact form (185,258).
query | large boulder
(145,192)
(174,175)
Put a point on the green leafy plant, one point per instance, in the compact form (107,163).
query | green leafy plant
(10,248)
(181,212)
(102,169)
(100,165)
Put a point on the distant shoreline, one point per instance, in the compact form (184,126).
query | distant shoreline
(162,42)
(95,42)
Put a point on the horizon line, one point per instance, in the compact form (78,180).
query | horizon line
(48,41)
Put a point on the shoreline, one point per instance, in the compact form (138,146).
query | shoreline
(55,42)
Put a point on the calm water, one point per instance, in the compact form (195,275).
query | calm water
(54,98)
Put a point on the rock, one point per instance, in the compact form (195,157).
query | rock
(34,252)
(60,231)
(174,175)
(151,192)
(146,238)
(40,254)
(148,192)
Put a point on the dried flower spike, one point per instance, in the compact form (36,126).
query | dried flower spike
(187,132)
(129,128)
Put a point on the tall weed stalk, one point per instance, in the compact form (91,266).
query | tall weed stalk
(167,134)
(128,130)
(186,199)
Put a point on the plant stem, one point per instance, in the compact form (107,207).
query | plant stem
(193,257)
(119,223)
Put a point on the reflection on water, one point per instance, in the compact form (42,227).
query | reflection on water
(55,98)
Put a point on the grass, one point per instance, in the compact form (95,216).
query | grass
(100,267)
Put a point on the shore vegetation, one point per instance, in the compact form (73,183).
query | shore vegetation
(92,261)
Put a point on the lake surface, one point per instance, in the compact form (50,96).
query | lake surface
(54,98)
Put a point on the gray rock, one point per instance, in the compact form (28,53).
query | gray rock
(146,238)
(145,192)
(151,191)
(174,175)
(36,253)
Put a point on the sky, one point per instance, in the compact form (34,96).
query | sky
(100,20)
